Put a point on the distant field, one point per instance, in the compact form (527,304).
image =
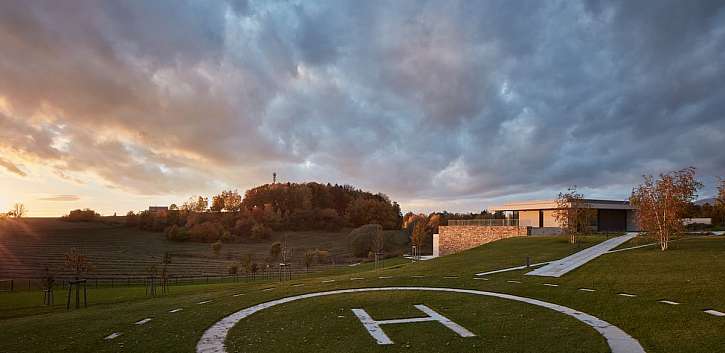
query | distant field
(28,246)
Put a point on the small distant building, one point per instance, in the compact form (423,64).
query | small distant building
(158,209)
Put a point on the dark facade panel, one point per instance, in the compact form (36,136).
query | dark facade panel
(612,220)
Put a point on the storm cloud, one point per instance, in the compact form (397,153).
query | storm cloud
(423,100)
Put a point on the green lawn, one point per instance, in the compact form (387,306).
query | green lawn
(691,273)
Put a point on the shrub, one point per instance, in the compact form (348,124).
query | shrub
(243,227)
(216,247)
(171,232)
(362,239)
(275,251)
(233,268)
(227,237)
(324,257)
(261,231)
(246,262)
(309,258)
(131,219)
(86,215)
(329,220)
(206,232)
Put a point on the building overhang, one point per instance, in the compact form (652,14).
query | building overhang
(536,205)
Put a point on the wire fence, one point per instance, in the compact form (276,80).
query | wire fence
(270,274)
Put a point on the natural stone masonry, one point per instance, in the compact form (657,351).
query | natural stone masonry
(619,341)
(453,239)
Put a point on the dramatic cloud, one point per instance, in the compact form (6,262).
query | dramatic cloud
(11,167)
(61,198)
(431,102)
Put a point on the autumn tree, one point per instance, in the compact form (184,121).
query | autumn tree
(77,262)
(367,211)
(420,232)
(661,203)
(196,204)
(232,200)
(720,201)
(573,213)
(217,203)
(309,258)
(18,211)
(246,262)
(216,247)
(275,251)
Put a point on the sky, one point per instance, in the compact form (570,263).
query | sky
(442,105)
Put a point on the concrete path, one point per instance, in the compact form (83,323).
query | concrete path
(511,269)
(561,267)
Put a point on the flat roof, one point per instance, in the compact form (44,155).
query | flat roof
(551,205)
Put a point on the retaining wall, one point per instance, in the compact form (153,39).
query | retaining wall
(453,239)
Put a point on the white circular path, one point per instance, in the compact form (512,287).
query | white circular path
(619,341)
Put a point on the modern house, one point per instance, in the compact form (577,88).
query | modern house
(609,215)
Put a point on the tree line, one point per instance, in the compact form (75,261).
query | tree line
(278,206)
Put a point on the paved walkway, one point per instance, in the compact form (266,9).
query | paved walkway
(511,269)
(561,267)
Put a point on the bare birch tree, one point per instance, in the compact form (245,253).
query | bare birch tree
(661,203)
(573,213)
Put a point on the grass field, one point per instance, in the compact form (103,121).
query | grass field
(690,273)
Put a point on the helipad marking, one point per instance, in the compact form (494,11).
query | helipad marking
(203,302)
(141,322)
(619,341)
(587,290)
(374,329)
(112,336)
(176,310)
(669,302)
(714,312)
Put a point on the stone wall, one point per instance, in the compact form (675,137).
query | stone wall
(453,239)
